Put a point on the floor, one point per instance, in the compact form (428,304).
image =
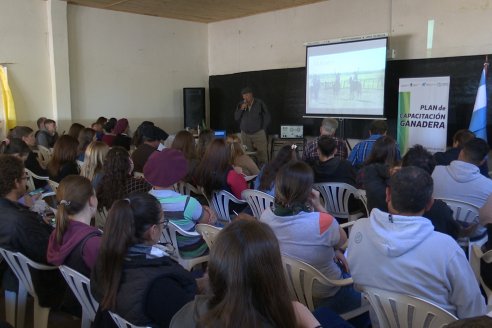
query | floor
(57,319)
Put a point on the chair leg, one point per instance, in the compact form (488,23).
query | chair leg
(10,300)
(86,322)
(41,315)
(21,305)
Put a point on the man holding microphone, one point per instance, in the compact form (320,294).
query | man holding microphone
(253,116)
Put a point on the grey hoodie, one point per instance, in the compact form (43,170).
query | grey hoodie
(404,254)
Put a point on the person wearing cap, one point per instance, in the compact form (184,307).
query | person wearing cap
(362,150)
(162,170)
(121,130)
(151,137)
(253,117)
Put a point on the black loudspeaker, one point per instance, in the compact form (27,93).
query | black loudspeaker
(194,107)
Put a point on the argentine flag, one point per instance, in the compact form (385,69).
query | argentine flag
(478,123)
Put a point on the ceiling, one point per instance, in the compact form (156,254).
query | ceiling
(204,11)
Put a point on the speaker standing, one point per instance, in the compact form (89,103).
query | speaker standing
(253,117)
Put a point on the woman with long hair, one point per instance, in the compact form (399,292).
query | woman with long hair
(215,171)
(204,139)
(74,242)
(75,129)
(95,154)
(248,286)
(185,142)
(85,137)
(306,231)
(63,162)
(32,163)
(265,181)
(239,158)
(134,277)
(117,181)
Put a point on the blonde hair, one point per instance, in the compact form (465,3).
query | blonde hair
(236,146)
(95,153)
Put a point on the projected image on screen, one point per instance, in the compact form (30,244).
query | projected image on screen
(346,79)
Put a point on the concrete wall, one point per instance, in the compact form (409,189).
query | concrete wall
(276,40)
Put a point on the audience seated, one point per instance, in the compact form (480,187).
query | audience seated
(329,167)
(373,176)
(328,128)
(63,162)
(86,136)
(265,181)
(439,214)
(117,181)
(248,288)
(311,236)
(74,242)
(26,232)
(150,137)
(95,154)
(204,139)
(75,129)
(400,251)
(122,139)
(15,147)
(459,139)
(162,170)
(461,180)
(215,171)
(47,135)
(40,124)
(98,126)
(109,135)
(361,151)
(32,163)
(133,276)
(239,159)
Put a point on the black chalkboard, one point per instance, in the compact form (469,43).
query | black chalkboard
(283,90)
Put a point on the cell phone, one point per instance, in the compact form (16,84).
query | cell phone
(35,192)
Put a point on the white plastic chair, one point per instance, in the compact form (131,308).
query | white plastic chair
(404,311)
(208,232)
(336,197)
(301,277)
(169,237)
(122,323)
(53,185)
(258,201)
(465,214)
(475,256)
(81,288)
(220,204)
(30,179)
(138,175)
(185,188)
(101,216)
(20,264)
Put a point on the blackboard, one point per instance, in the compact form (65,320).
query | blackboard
(283,90)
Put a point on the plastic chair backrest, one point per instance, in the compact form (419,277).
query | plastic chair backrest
(220,204)
(122,323)
(301,277)
(30,179)
(208,232)
(476,255)
(336,197)
(80,286)
(405,311)
(258,201)
(138,175)
(44,154)
(185,188)
(169,237)
(54,185)
(101,216)
(463,212)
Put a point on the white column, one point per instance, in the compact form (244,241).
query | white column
(59,62)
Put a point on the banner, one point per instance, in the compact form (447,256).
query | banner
(423,113)
(7,108)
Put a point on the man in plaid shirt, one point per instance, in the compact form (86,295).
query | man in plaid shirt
(328,128)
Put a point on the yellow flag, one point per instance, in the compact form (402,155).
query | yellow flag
(8,101)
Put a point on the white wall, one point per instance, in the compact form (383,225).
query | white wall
(23,42)
(276,40)
(134,66)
